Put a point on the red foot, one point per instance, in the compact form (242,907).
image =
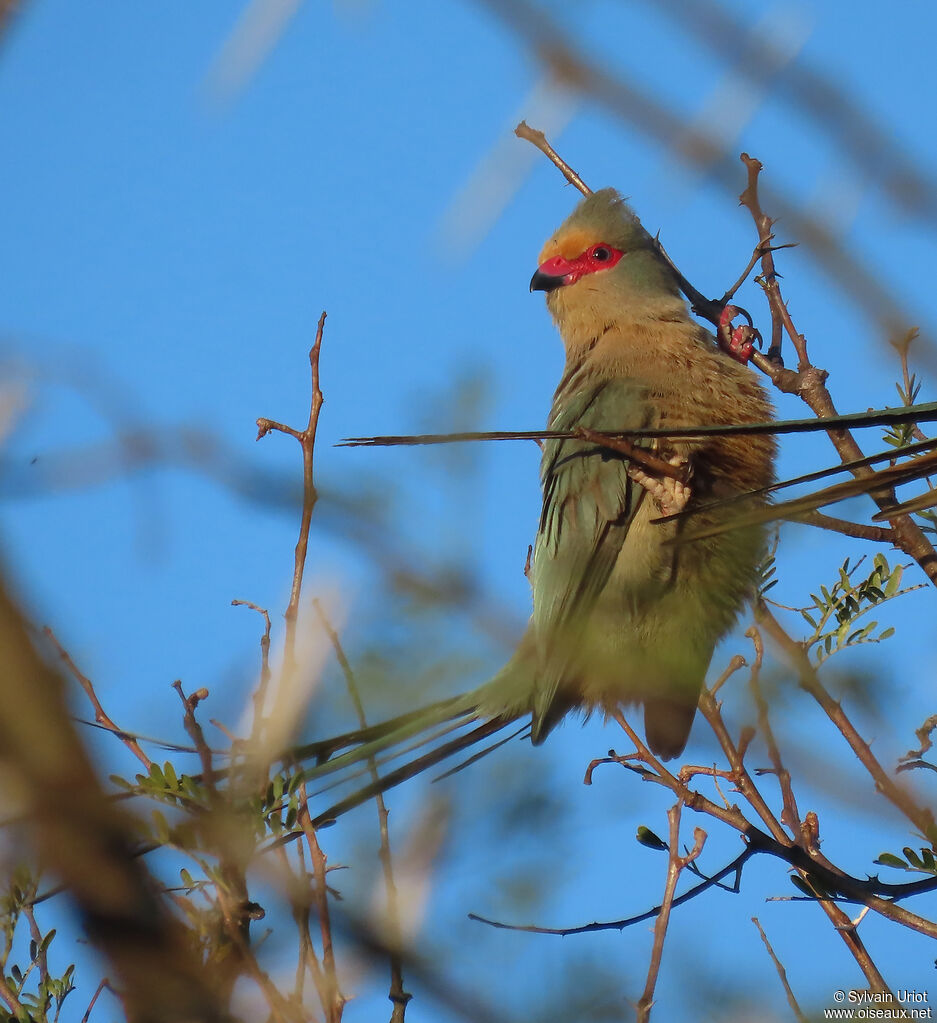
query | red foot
(739,342)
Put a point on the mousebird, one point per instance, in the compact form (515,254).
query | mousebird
(622,614)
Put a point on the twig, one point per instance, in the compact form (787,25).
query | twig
(713,881)
(674,868)
(100,716)
(260,693)
(621,444)
(790,816)
(735,753)
(307,440)
(878,534)
(12,1002)
(782,973)
(736,662)
(920,817)
(104,984)
(194,730)
(537,138)
(809,383)
(923,735)
(334,1001)
(398,996)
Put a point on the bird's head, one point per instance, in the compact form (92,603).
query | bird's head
(602,264)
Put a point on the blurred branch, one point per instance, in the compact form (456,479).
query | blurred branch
(625,99)
(397,995)
(818,97)
(100,716)
(9,10)
(260,693)
(333,1001)
(85,839)
(256,33)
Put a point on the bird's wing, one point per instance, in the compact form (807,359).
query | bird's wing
(589,502)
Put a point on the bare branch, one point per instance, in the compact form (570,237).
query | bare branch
(100,715)
(782,973)
(307,440)
(675,867)
(537,138)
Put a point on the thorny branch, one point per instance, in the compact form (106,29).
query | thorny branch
(808,382)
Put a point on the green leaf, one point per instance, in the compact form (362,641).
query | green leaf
(887,859)
(798,882)
(647,838)
(912,857)
(161,827)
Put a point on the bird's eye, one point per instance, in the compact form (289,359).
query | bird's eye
(601,253)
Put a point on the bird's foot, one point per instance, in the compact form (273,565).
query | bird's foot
(671,495)
(739,342)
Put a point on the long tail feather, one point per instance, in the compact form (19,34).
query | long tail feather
(381,760)
(407,771)
(475,757)
(326,748)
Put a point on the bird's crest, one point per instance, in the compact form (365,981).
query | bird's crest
(601,217)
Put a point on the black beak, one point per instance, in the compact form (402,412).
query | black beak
(546,282)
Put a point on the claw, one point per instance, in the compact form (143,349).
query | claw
(670,495)
(739,342)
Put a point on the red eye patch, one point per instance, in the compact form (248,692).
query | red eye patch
(595,258)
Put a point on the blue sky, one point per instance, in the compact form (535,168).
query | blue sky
(165,254)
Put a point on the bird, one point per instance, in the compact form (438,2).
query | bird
(623,614)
